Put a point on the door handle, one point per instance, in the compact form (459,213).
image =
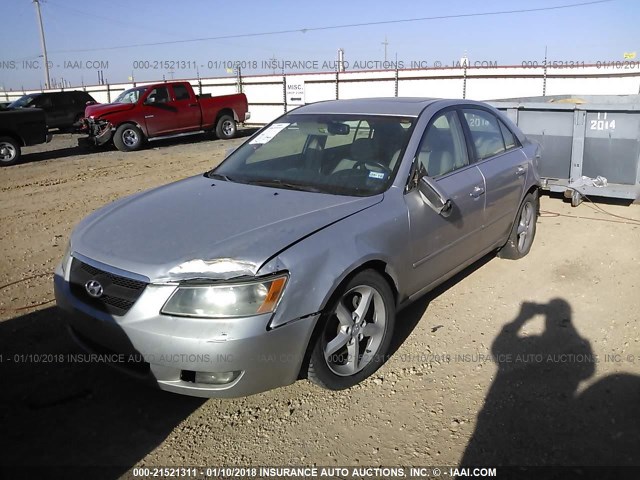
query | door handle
(193,104)
(476,192)
(520,171)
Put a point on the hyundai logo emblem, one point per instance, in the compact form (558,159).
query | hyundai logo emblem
(94,288)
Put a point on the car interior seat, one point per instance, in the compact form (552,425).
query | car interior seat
(362,150)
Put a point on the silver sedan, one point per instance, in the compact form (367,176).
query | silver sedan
(292,257)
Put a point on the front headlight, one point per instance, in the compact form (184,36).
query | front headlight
(226,300)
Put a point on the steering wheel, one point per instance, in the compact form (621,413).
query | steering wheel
(364,163)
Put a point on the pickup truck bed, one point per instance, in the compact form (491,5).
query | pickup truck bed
(20,128)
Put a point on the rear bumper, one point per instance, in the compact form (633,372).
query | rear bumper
(164,350)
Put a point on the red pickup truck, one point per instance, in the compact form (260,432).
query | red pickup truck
(159,111)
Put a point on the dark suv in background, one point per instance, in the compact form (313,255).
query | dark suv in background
(62,109)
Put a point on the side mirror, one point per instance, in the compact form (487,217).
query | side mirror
(150,100)
(433,196)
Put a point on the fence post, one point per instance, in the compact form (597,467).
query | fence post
(108,94)
(464,81)
(239,80)
(284,92)
(337,83)
(396,79)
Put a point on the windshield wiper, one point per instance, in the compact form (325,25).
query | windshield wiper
(218,176)
(266,182)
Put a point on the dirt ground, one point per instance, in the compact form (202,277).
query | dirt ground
(532,362)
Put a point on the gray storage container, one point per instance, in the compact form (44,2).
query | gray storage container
(591,135)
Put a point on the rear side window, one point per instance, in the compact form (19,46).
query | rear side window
(181,92)
(43,101)
(485,133)
(509,138)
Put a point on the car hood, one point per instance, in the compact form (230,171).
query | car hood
(100,109)
(204,228)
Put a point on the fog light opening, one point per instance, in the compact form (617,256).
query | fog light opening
(210,378)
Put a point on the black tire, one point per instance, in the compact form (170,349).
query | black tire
(128,138)
(226,127)
(10,152)
(334,369)
(523,230)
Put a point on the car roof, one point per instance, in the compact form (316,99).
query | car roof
(400,106)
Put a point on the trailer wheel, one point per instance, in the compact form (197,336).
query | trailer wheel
(9,151)
(226,127)
(128,138)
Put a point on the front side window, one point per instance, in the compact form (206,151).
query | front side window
(158,95)
(322,153)
(485,133)
(443,147)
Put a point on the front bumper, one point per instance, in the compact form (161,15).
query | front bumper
(100,132)
(173,347)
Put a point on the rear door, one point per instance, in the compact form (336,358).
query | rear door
(188,114)
(504,167)
(440,244)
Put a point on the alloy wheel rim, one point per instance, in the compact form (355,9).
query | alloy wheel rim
(129,137)
(525,227)
(355,331)
(7,152)
(227,127)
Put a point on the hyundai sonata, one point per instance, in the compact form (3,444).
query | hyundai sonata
(292,257)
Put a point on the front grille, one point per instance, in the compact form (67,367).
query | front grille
(119,293)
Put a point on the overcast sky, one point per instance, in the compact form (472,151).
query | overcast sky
(84,36)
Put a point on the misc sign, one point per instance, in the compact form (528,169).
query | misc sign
(294,92)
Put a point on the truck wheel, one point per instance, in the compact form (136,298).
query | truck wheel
(9,151)
(128,138)
(226,127)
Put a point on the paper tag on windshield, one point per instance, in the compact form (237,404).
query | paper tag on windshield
(378,175)
(269,133)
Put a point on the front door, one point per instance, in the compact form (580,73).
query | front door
(439,245)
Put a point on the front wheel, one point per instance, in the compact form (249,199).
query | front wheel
(128,138)
(226,127)
(9,151)
(355,334)
(523,230)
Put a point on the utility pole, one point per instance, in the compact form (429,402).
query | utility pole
(47,82)
(386,44)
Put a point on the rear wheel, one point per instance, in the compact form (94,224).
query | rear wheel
(128,138)
(226,127)
(523,230)
(355,334)
(9,151)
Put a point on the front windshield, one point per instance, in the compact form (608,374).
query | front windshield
(22,102)
(337,154)
(130,96)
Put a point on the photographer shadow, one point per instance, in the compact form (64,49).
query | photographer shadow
(534,415)
(64,418)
